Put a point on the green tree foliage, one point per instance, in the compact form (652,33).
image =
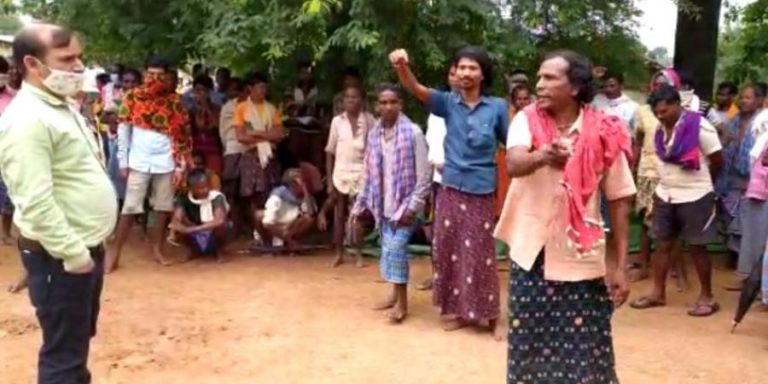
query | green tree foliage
(661,56)
(274,35)
(743,48)
(601,29)
(9,24)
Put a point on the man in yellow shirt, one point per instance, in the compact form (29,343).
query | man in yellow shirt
(53,163)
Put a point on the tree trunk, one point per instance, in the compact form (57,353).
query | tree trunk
(696,44)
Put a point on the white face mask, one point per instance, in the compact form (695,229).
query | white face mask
(64,83)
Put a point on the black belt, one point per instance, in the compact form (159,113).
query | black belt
(36,246)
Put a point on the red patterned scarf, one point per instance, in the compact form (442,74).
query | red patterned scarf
(601,140)
(152,106)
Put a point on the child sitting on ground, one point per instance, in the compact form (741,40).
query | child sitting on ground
(200,217)
(288,213)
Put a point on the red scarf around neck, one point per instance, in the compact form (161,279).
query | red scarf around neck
(601,140)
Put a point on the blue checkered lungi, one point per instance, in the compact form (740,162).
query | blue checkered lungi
(394,252)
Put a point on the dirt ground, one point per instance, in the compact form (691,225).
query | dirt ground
(294,320)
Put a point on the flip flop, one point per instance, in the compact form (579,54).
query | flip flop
(735,287)
(646,303)
(704,309)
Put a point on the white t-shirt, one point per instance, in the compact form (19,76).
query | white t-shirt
(622,107)
(436,131)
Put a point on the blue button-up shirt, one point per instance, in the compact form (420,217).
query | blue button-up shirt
(473,136)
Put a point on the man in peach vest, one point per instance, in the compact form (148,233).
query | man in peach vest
(563,156)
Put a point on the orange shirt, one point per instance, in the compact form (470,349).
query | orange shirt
(262,110)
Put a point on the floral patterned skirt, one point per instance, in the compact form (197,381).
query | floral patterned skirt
(559,332)
(466,283)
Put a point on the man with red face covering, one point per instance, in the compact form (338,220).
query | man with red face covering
(153,149)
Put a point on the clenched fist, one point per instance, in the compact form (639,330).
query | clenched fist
(398,58)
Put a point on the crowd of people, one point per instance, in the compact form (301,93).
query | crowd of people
(555,176)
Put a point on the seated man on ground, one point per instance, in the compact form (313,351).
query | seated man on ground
(200,216)
(289,212)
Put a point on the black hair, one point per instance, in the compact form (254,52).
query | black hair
(224,71)
(196,175)
(5,67)
(27,42)
(618,76)
(256,78)
(729,87)
(480,56)
(198,68)
(103,78)
(131,71)
(762,87)
(516,71)
(203,80)
(304,64)
(686,78)
(447,85)
(159,62)
(237,83)
(387,87)
(665,93)
(579,73)
(352,72)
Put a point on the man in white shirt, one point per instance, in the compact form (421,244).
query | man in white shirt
(153,150)
(684,199)
(435,136)
(613,101)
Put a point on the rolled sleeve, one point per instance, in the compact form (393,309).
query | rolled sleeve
(27,157)
(709,141)
(618,183)
(519,133)
(437,103)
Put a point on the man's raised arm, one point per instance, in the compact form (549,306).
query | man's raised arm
(399,60)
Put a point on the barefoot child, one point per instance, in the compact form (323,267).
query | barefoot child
(288,213)
(397,177)
(200,216)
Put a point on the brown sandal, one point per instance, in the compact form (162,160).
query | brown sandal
(704,309)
